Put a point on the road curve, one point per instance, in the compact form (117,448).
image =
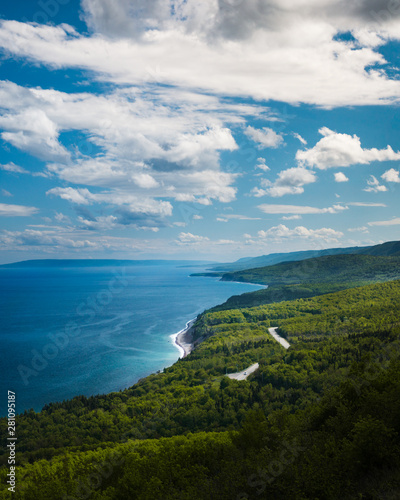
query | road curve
(245,373)
(284,343)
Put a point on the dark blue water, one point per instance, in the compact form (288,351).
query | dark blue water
(92,330)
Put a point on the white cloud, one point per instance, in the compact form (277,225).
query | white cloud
(374,186)
(99,223)
(139,212)
(391,175)
(239,217)
(166,142)
(189,238)
(59,217)
(16,210)
(290,181)
(282,232)
(366,204)
(11,167)
(342,150)
(31,130)
(363,229)
(301,139)
(296,209)
(391,222)
(340,177)
(256,48)
(261,164)
(291,217)
(197,217)
(4,192)
(265,137)
(79,196)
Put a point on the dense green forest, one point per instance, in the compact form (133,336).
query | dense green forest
(319,420)
(329,269)
(389,248)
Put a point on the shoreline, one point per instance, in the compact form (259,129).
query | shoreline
(247,283)
(183,339)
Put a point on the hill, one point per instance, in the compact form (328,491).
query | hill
(329,269)
(320,420)
(276,258)
(391,248)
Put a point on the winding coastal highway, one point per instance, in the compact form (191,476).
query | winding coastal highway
(251,369)
(284,343)
(245,373)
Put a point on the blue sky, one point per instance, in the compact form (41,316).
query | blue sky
(184,129)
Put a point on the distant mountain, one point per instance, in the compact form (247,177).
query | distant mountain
(390,248)
(99,263)
(325,269)
(276,258)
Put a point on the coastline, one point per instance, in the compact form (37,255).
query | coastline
(248,283)
(183,339)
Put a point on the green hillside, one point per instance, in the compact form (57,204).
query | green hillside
(318,421)
(390,248)
(329,269)
(276,258)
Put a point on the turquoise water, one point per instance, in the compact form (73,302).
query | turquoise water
(93,330)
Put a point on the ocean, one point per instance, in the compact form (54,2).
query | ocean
(68,331)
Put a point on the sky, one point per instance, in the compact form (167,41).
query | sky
(215,130)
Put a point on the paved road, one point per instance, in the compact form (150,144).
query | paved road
(278,338)
(245,373)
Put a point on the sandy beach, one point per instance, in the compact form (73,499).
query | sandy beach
(183,339)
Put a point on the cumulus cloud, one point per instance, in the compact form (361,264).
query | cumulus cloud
(290,181)
(342,150)
(16,210)
(31,130)
(130,210)
(58,241)
(282,232)
(147,141)
(256,48)
(261,164)
(99,223)
(340,177)
(189,238)
(374,186)
(391,175)
(291,217)
(296,209)
(116,197)
(264,138)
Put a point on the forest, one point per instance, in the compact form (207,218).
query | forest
(320,420)
(326,269)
